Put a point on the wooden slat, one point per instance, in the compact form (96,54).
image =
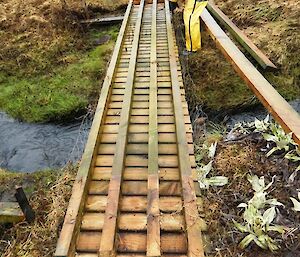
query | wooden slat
(153,226)
(66,242)
(133,222)
(252,49)
(138,174)
(10,212)
(281,110)
(106,248)
(172,188)
(143,138)
(97,203)
(136,242)
(193,231)
(132,242)
(165,149)
(105,20)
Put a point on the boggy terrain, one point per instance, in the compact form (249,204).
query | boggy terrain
(275,28)
(51,67)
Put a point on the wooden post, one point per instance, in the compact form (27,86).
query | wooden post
(24,204)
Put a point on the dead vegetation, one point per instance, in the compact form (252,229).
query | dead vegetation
(234,160)
(36,35)
(48,193)
(274,27)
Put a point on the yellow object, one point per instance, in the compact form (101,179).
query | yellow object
(191,16)
(174,1)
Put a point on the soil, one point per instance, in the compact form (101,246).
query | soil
(235,160)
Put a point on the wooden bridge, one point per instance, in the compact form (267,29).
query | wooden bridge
(136,192)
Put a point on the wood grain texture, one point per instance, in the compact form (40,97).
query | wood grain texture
(193,230)
(153,212)
(281,110)
(107,245)
(66,241)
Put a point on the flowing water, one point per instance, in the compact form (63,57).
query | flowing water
(29,147)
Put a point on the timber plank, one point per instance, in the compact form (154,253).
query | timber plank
(193,231)
(252,49)
(10,212)
(107,246)
(66,241)
(133,222)
(153,226)
(167,204)
(138,174)
(281,110)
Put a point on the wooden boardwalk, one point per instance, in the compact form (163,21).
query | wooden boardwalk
(135,192)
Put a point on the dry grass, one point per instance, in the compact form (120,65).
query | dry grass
(40,34)
(275,28)
(235,161)
(49,195)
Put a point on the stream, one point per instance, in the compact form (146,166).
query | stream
(27,147)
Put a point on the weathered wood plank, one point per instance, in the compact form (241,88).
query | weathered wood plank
(97,203)
(10,212)
(193,231)
(153,212)
(133,222)
(252,49)
(281,110)
(107,245)
(66,242)
(143,138)
(132,242)
(104,20)
(166,188)
(138,174)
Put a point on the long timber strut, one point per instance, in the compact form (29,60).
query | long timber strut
(135,193)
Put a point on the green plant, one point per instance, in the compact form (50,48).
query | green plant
(262,125)
(296,203)
(256,126)
(257,220)
(282,140)
(294,156)
(204,169)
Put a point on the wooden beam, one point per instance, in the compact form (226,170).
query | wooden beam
(66,242)
(281,110)
(104,20)
(193,229)
(10,212)
(24,204)
(252,49)
(107,245)
(153,212)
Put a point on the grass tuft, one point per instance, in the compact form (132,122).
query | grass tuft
(60,94)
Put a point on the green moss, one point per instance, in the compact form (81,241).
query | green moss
(66,90)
